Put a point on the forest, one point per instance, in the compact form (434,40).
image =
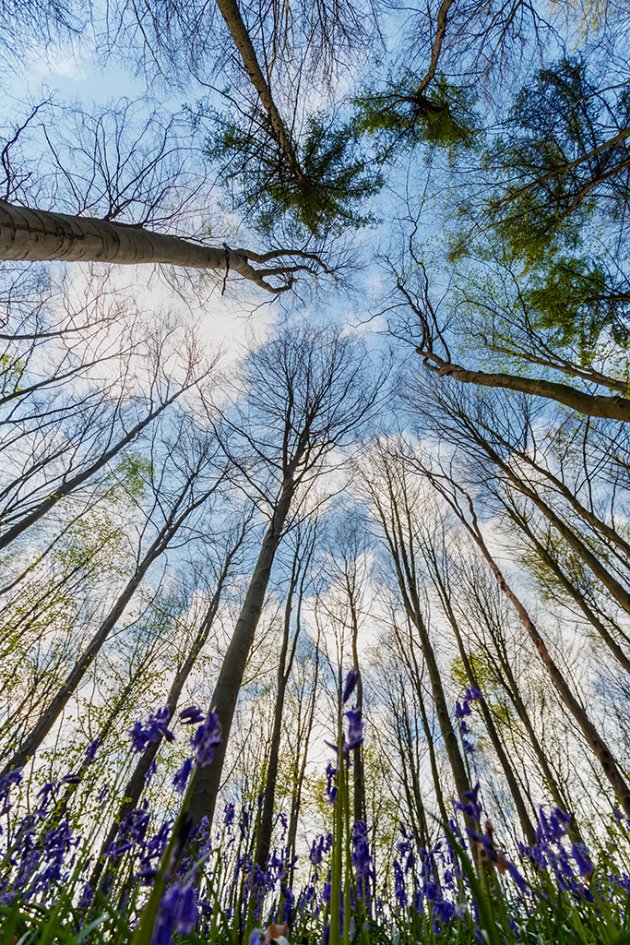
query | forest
(314,468)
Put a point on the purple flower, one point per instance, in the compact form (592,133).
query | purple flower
(331,789)
(582,860)
(178,912)
(355,729)
(462,709)
(473,694)
(470,806)
(181,777)
(152,731)
(351,680)
(206,739)
(193,715)
(90,751)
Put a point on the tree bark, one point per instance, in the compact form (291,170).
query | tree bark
(53,711)
(595,741)
(137,781)
(31,234)
(231,14)
(207,780)
(595,405)
(554,566)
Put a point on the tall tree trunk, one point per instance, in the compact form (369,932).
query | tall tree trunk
(53,711)
(554,566)
(207,780)
(265,826)
(231,14)
(137,781)
(527,826)
(358,785)
(303,741)
(412,606)
(597,744)
(31,234)
(614,588)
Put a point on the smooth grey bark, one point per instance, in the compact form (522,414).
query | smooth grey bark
(207,780)
(394,521)
(30,234)
(303,736)
(594,405)
(416,680)
(285,664)
(505,678)
(231,14)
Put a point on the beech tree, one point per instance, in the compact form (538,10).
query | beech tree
(308,396)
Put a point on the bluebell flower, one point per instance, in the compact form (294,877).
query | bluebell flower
(193,715)
(580,854)
(206,739)
(355,729)
(181,776)
(152,731)
(470,805)
(178,912)
(331,789)
(350,684)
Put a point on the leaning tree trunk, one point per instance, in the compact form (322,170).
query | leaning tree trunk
(31,234)
(527,826)
(414,613)
(570,589)
(614,588)
(137,781)
(53,711)
(358,767)
(285,664)
(207,780)
(428,734)
(595,405)
(265,826)
(231,14)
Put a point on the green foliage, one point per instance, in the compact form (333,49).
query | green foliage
(131,473)
(322,197)
(441,117)
(552,161)
(572,295)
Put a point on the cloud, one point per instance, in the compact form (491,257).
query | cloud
(60,62)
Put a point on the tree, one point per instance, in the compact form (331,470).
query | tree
(136,783)
(307,396)
(30,234)
(199,480)
(397,507)
(462,504)
(298,583)
(434,348)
